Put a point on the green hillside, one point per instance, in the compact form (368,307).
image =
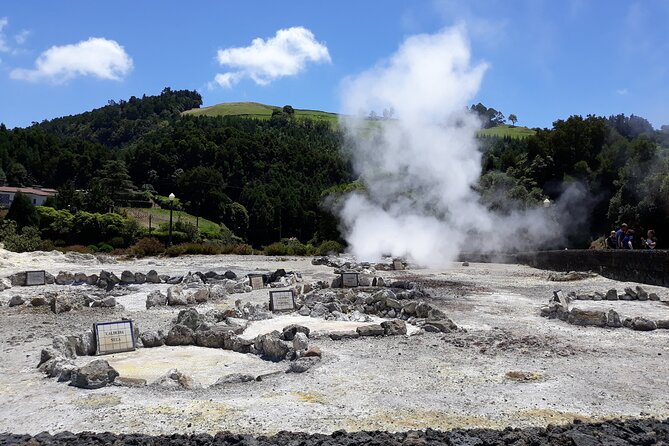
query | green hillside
(505,130)
(256,110)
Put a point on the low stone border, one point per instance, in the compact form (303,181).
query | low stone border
(645,431)
(558,308)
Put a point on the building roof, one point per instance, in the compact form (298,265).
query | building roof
(44,192)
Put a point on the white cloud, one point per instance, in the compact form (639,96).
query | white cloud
(622,92)
(285,54)
(98,57)
(21,37)
(4,47)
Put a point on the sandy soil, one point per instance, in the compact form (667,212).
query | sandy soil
(394,383)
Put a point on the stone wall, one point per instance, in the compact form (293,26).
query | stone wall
(643,266)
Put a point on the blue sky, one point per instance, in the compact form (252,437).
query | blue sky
(547,59)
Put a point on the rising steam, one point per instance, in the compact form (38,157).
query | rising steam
(419,166)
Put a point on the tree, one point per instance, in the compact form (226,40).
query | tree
(513,118)
(114,179)
(22,211)
(202,191)
(289,110)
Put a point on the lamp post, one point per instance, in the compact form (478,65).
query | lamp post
(547,203)
(169,239)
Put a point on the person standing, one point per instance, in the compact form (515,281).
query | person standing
(628,240)
(620,235)
(612,241)
(650,242)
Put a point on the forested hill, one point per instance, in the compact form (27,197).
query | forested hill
(265,177)
(262,177)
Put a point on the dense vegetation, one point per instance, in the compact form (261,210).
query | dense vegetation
(265,178)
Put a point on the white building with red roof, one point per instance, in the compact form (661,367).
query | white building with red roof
(37,195)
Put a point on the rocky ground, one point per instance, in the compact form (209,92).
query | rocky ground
(506,366)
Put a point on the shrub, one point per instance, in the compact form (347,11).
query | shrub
(175,250)
(92,248)
(295,248)
(103,247)
(328,247)
(276,249)
(116,242)
(242,249)
(147,246)
(27,240)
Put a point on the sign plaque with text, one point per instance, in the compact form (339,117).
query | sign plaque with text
(349,280)
(114,337)
(398,265)
(281,300)
(35,278)
(256,282)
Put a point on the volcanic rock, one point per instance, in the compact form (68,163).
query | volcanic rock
(94,375)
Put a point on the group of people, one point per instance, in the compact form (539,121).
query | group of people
(623,238)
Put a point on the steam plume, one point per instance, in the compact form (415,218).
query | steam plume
(419,169)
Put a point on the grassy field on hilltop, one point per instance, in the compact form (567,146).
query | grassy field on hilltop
(159,216)
(505,130)
(257,110)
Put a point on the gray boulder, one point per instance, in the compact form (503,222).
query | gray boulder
(140,278)
(653,296)
(80,278)
(217,291)
(38,301)
(152,277)
(394,327)
(319,310)
(155,299)
(107,302)
(587,318)
(5,284)
(339,335)
(300,342)
(190,318)
(663,324)
(18,279)
(630,292)
(612,294)
(198,296)
(371,330)
(290,331)
(230,275)
(92,279)
(152,339)
(176,296)
(613,319)
(643,324)
(239,345)
(94,375)
(66,346)
(61,304)
(215,337)
(127,277)
(271,346)
(176,380)
(641,293)
(85,344)
(64,278)
(47,354)
(442,326)
(16,301)
(180,335)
